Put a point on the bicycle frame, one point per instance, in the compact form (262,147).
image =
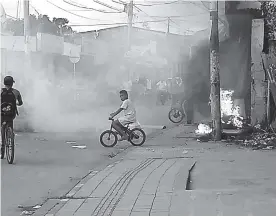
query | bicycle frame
(125,129)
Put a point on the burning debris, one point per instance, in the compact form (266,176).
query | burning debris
(231,117)
(204,133)
(243,133)
(203,129)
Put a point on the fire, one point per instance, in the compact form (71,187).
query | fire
(226,102)
(203,129)
(228,109)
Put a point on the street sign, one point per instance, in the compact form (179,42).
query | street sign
(74,56)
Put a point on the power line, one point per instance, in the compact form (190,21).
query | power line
(35,9)
(119,2)
(72,12)
(160,3)
(114,23)
(106,5)
(11,16)
(190,15)
(140,10)
(89,8)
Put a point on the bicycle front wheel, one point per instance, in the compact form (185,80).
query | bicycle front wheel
(108,138)
(9,136)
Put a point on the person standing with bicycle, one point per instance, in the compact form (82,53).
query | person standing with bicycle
(10,99)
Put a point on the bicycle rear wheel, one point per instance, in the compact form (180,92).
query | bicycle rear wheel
(176,115)
(9,137)
(137,137)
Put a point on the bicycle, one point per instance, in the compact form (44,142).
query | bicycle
(132,135)
(8,142)
(177,113)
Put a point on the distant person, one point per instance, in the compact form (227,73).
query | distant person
(10,99)
(128,117)
(177,91)
(162,91)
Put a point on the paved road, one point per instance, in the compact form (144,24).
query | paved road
(47,166)
(175,175)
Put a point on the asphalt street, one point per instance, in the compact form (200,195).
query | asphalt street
(46,165)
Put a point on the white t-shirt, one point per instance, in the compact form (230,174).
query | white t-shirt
(161,85)
(148,84)
(129,110)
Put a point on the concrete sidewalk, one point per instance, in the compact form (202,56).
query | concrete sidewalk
(175,175)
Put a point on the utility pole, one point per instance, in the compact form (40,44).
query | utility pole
(17,9)
(27,28)
(129,30)
(130,18)
(168,27)
(214,72)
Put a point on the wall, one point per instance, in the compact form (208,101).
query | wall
(258,74)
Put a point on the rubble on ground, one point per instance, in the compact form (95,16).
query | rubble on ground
(248,136)
(264,140)
(259,139)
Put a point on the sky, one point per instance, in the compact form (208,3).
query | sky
(186,17)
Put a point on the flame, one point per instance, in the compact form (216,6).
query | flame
(228,108)
(203,129)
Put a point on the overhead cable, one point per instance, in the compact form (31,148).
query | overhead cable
(159,3)
(109,6)
(100,24)
(71,12)
(89,8)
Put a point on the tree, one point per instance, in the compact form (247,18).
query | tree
(269,12)
(41,23)
(269,48)
(62,24)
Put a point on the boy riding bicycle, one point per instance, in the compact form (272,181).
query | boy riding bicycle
(128,117)
(10,99)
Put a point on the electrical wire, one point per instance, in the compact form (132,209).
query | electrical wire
(35,9)
(115,23)
(72,12)
(160,3)
(106,5)
(119,2)
(89,8)
(207,8)
(190,15)
(11,17)
(140,10)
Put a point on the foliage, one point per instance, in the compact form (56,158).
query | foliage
(269,12)
(42,23)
